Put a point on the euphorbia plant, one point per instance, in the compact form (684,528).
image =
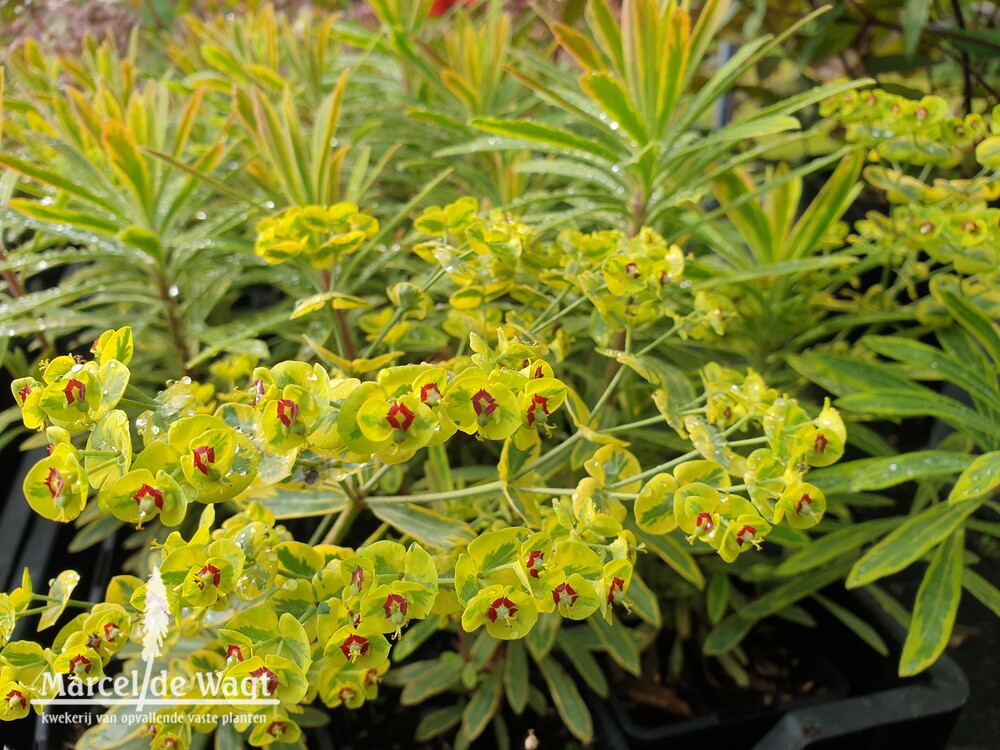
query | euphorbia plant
(512,557)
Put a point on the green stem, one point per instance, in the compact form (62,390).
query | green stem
(397,313)
(569,308)
(344,523)
(658,340)
(139,397)
(430,497)
(657,469)
(69,602)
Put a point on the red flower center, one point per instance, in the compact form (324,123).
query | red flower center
(94,641)
(357,580)
(803,501)
(631,269)
(564,594)
(534,562)
(971,227)
(346,694)
(354,647)
(819,444)
(704,522)
(148,493)
(746,534)
(267,678)
(204,457)
(501,609)
(399,416)
(111,632)
(430,394)
(927,227)
(537,403)
(80,665)
(616,590)
(75,391)
(55,482)
(483,403)
(257,389)
(288,411)
(371,677)
(277,728)
(16,696)
(234,652)
(539,373)
(24,392)
(209,572)
(395,607)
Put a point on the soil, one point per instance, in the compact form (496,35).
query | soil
(783,668)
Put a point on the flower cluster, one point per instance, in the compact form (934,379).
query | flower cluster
(320,234)
(198,446)
(699,497)
(904,131)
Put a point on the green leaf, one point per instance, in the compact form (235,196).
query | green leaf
(909,542)
(568,702)
(855,624)
(579,656)
(725,636)
(947,291)
(416,635)
(94,532)
(536,132)
(717,597)
(916,14)
(834,545)
(483,705)
(644,602)
(672,552)
(516,679)
(60,588)
(935,607)
(610,95)
(424,525)
(617,641)
(438,722)
(290,501)
(983,590)
(433,678)
(906,403)
(45,177)
(790,592)
(843,375)
(887,471)
(982,476)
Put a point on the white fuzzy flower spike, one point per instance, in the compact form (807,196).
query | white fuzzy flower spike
(156,617)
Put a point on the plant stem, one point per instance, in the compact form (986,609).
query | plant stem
(569,308)
(429,497)
(174,322)
(344,522)
(69,602)
(657,469)
(139,397)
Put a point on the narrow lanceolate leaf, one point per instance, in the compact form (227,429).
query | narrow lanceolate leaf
(717,597)
(911,541)
(566,697)
(669,549)
(516,680)
(790,592)
(584,662)
(855,624)
(435,678)
(978,324)
(726,635)
(438,722)
(536,132)
(935,607)
(618,643)
(834,545)
(983,590)
(980,478)
(483,705)
(888,471)
(905,403)
(610,95)
(424,525)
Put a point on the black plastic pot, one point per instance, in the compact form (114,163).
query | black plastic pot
(871,709)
